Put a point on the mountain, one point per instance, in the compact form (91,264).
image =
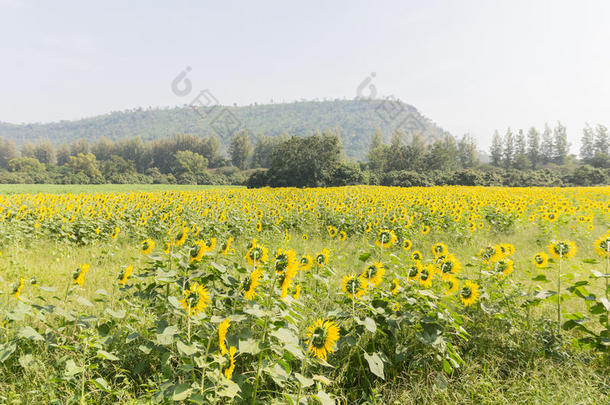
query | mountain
(355,120)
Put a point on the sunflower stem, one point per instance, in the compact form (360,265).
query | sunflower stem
(205,358)
(260,354)
(559,294)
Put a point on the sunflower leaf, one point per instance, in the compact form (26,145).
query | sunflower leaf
(375,364)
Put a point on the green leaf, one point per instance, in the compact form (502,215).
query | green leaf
(304,381)
(364,256)
(101,384)
(120,314)
(324,398)
(106,355)
(605,302)
(187,350)
(375,364)
(248,346)
(84,301)
(322,379)
(72,369)
(544,294)
(6,350)
(27,332)
(181,392)
(541,277)
(167,336)
(370,325)
(285,336)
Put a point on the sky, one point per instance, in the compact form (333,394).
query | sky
(470,66)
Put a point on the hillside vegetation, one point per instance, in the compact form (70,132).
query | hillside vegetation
(354,120)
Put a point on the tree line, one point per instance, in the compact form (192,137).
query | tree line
(516,159)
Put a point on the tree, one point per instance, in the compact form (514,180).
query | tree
(63,155)
(467,151)
(116,166)
(587,148)
(520,147)
(240,149)
(25,164)
(85,163)
(8,151)
(261,156)
(44,152)
(443,155)
(305,162)
(561,147)
(496,149)
(602,142)
(533,146)
(27,150)
(79,146)
(509,149)
(190,162)
(546,148)
(377,151)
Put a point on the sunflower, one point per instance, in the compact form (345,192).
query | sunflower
(562,249)
(18,288)
(396,286)
(425,229)
(116,232)
(322,258)
(208,244)
(550,216)
(305,237)
(451,284)
(197,251)
(226,246)
(166,248)
(297,292)
(385,238)
(305,263)
(469,293)
(323,336)
(602,245)
(229,370)
(79,275)
(439,249)
(285,260)
(342,235)
(406,245)
(222,335)
(259,226)
(414,270)
(196,299)
(125,274)
(368,228)
(354,286)
(250,283)
(332,231)
(416,256)
(257,254)
(489,254)
(426,275)
(181,236)
(540,259)
(285,279)
(374,273)
(449,265)
(504,266)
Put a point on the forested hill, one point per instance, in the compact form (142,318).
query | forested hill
(354,119)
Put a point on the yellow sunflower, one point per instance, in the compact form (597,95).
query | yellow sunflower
(196,299)
(602,245)
(250,283)
(426,275)
(406,245)
(197,251)
(374,273)
(125,274)
(322,258)
(332,231)
(18,288)
(425,229)
(342,236)
(226,247)
(395,286)
(305,263)
(116,232)
(451,284)
(79,275)
(354,286)
(285,260)
(223,328)
(449,265)
(323,337)
(257,254)
(564,249)
(181,236)
(229,370)
(386,238)
(540,259)
(439,249)
(504,266)
(413,270)
(470,293)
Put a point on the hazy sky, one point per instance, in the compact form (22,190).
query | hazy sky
(471,66)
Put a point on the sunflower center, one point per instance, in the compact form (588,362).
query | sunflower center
(320,259)
(318,338)
(371,271)
(446,267)
(466,292)
(538,259)
(256,253)
(353,285)
(281,262)
(424,275)
(412,271)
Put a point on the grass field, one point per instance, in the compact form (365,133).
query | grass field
(125,297)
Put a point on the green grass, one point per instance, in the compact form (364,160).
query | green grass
(96,188)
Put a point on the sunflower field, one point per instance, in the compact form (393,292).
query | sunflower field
(343,295)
